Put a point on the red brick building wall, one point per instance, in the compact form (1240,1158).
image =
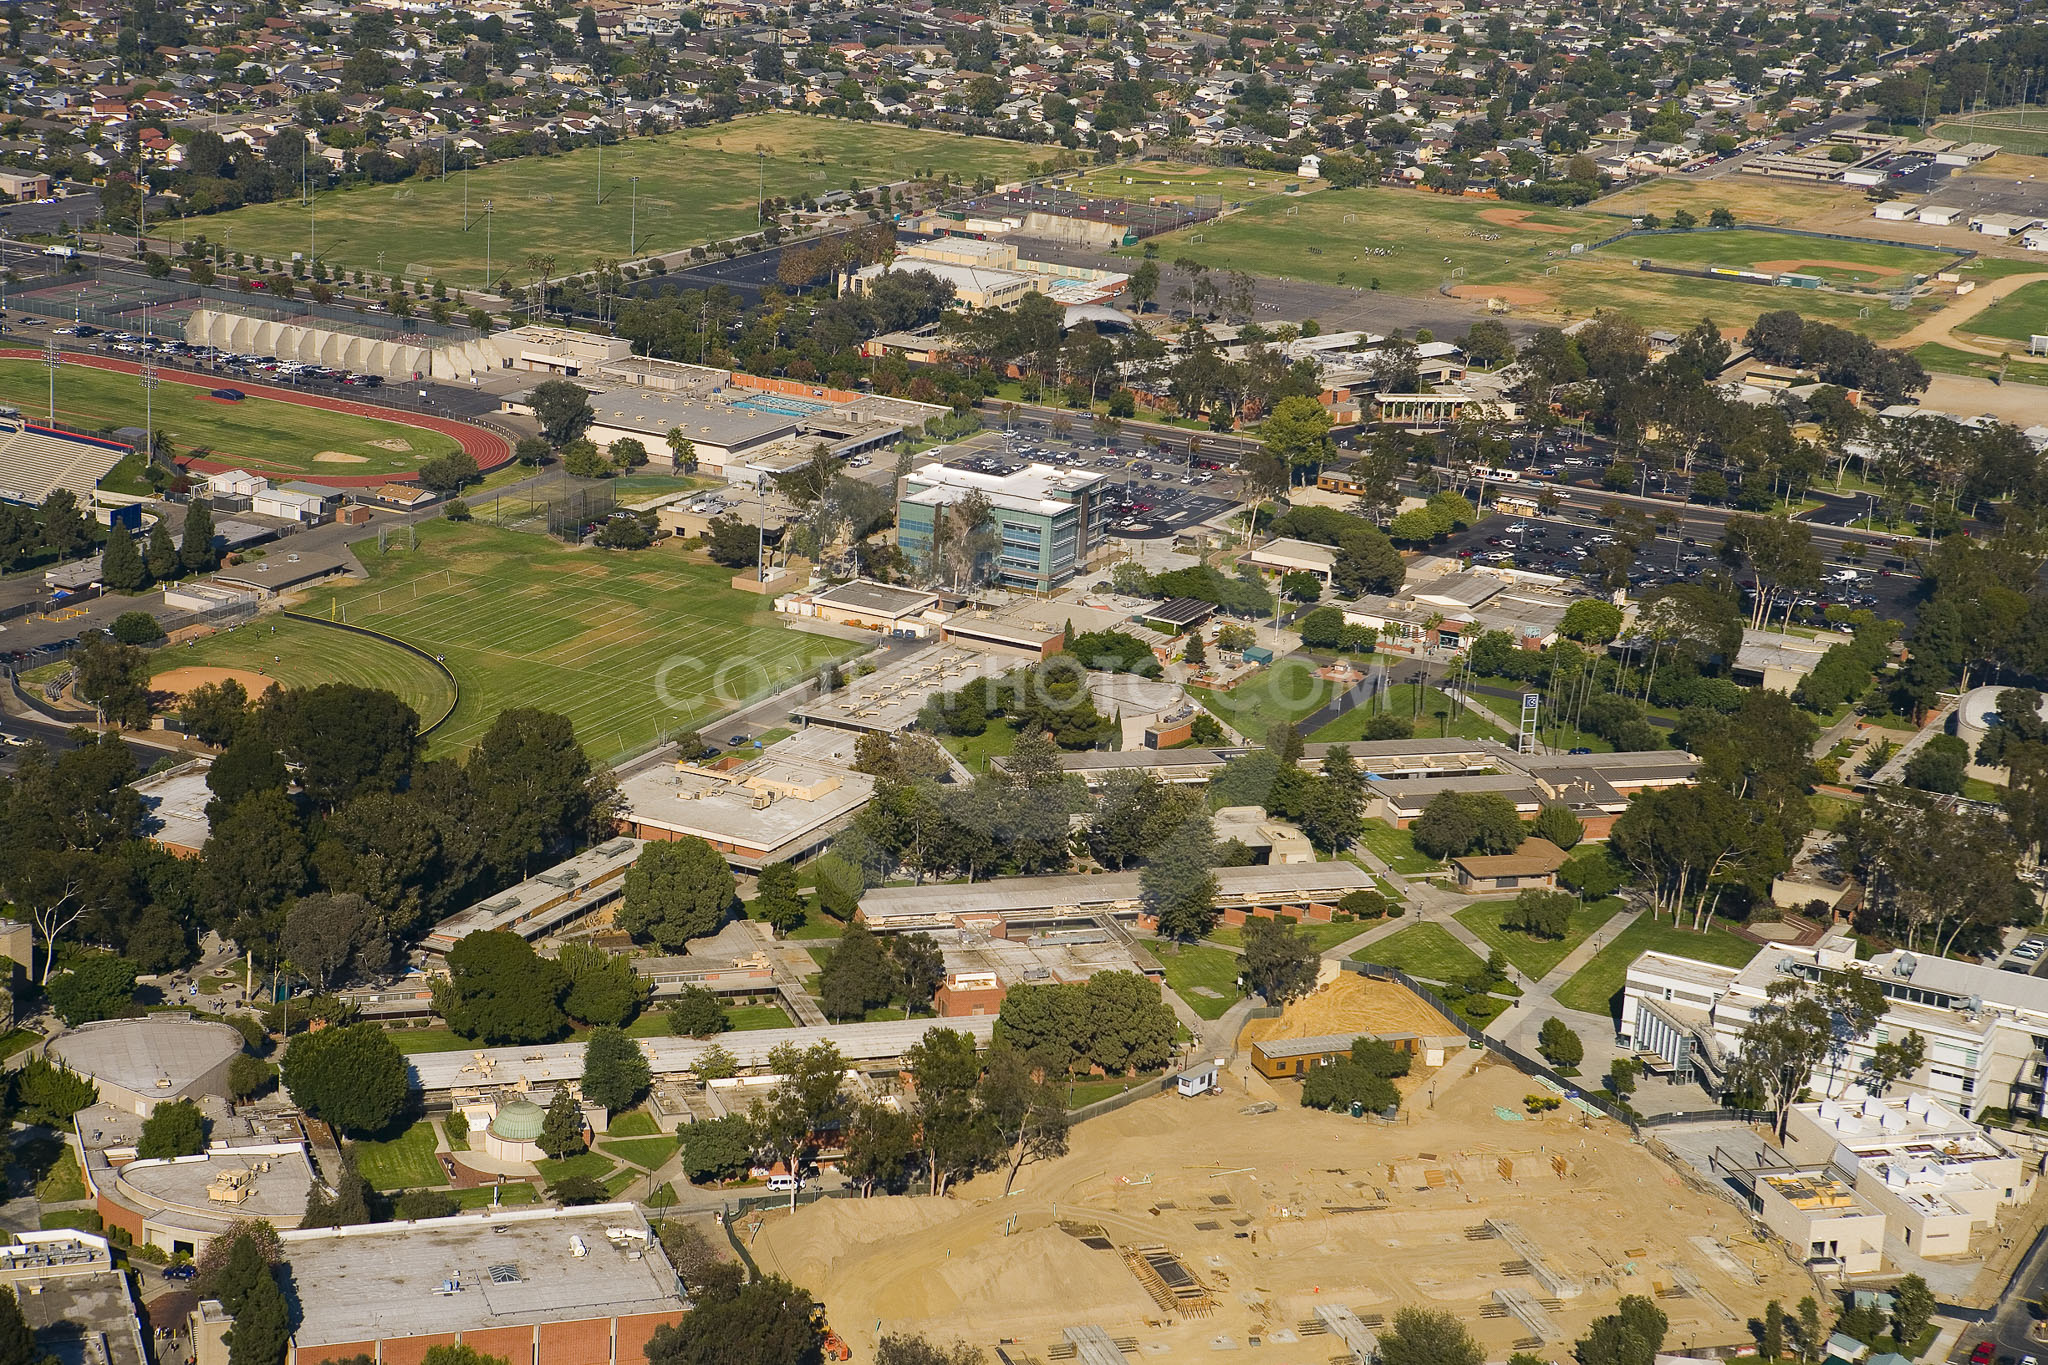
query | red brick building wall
(633,1334)
(588,1342)
(515,1344)
(412,1350)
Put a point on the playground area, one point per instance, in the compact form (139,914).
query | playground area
(1183,1226)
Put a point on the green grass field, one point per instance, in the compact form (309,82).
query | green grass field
(1401,699)
(302,654)
(2019,315)
(745,1017)
(695,186)
(1840,262)
(405,1162)
(2017,130)
(261,433)
(412,1041)
(1324,936)
(1286,692)
(1211,969)
(64,1181)
(1170,180)
(1425,951)
(596,1165)
(1535,957)
(1396,848)
(1518,253)
(1595,986)
(511,1192)
(1942,359)
(626,645)
(646,1153)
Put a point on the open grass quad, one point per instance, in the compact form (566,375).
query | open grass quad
(279,436)
(305,654)
(696,186)
(1518,255)
(2015,318)
(629,646)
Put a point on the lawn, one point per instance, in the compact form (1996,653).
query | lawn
(2017,130)
(1285,693)
(1080,1093)
(1396,848)
(554,1170)
(1841,262)
(1535,957)
(1425,951)
(511,1192)
(64,1182)
(1950,360)
(646,1153)
(633,1123)
(410,1041)
(1196,966)
(303,654)
(405,1162)
(2016,317)
(976,750)
(1325,936)
(628,646)
(81,1220)
(1595,986)
(259,432)
(1401,701)
(14,1040)
(745,1017)
(695,186)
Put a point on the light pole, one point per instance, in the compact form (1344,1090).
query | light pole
(54,359)
(600,163)
(147,374)
(465,191)
(487,244)
(632,230)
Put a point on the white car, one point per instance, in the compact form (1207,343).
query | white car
(13,741)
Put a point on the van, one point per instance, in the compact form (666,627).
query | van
(783,1184)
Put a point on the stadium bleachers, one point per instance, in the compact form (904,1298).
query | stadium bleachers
(33,463)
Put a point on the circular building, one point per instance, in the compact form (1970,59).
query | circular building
(140,1063)
(514,1134)
(1977,714)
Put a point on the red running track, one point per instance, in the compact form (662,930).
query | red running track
(487,448)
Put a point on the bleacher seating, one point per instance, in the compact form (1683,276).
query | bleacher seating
(33,463)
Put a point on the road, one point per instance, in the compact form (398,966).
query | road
(2008,1327)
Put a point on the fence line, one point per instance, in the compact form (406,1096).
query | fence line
(454,688)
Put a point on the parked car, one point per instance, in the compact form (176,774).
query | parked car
(180,1272)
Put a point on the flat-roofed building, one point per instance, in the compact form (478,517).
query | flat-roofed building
(547,901)
(779,807)
(1044,517)
(180,1204)
(74,1298)
(1285,556)
(576,1286)
(176,801)
(1307,890)
(869,606)
(1822,1218)
(890,698)
(141,1063)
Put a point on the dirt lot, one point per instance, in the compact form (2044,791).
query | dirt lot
(179,681)
(1351,1003)
(1276,1213)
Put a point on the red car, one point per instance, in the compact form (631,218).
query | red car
(1982,1354)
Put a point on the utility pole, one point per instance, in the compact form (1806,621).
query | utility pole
(600,163)
(632,229)
(487,244)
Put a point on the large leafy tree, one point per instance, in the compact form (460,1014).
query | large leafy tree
(534,788)
(1802,1025)
(1179,880)
(763,1320)
(353,1077)
(675,892)
(1631,1335)
(173,1129)
(1422,1336)
(500,991)
(615,1070)
(1279,959)
(805,1101)
(603,987)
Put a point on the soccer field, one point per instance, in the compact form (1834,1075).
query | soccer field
(695,186)
(1840,262)
(2019,315)
(302,654)
(628,646)
(282,436)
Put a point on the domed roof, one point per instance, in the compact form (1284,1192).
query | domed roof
(519,1121)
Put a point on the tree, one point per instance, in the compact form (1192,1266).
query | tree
(1631,1335)
(463,1353)
(1541,913)
(1556,823)
(100,986)
(676,891)
(1179,883)
(323,933)
(1913,1308)
(121,566)
(1421,1336)
(449,472)
(1297,434)
(561,1129)
(344,740)
(682,450)
(1799,1026)
(901,1350)
(232,1263)
(615,1070)
(919,967)
(249,1076)
(1591,620)
(534,788)
(1560,1046)
(603,987)
(767,1319)
(176,1128)
(17,1338)
(115,678)
(1893,1061)
(353,1077)
(804,1102)
(262,1327)
(858,976)
(214,712)
(1364,1077)
(1812,1336)
(1279,959)
(733,543)
(776,899)
(532,450)
(500,991)
(1456,824)
(196,552)
(563,410)
(717,1149)
(880,1143)
(630,532)
(695,1012)
(1941,764)
(162,556)
(1771,1341)
(137,628)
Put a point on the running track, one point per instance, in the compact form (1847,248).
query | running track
(487,448)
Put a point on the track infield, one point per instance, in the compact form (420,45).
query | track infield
(279,650)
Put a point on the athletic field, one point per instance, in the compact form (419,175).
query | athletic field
(2019,315)
(301,654)
(1869,264)
(628,646)
(696,185)
(283,436)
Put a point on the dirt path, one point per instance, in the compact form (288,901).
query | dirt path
(1940,327)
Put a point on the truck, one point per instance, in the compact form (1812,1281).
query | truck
(64,252)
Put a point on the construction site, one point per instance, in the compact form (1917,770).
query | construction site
(1239,1218)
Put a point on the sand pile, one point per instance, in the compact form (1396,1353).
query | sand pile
(1351,1004)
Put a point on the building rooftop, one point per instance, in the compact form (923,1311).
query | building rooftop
(267,1181)
(890,697)
(1043,489)
(156,1054)
(779,802)
(86,1319)
(879,598)
(466,1274)
(176,800)
(899,906)
(711,422)
(551,1064)
(1535,858)
(544,900)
